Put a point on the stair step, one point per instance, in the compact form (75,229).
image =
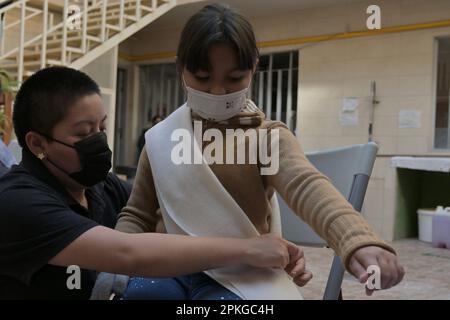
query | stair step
(71,32)
(75,50)
(109,17)
(37,54)
(113,27)
(8,61)
(114,20)
(29,64)
(55,52)
(115,17)
(70,41)
(13,75)
(128,6)
(94,38)
(115,5)
(110,12)
(146,8)
(132,18)
(74,46)
(53,62)
(57,42)
(99,20)
(93,30)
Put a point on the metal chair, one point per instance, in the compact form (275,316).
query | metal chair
(349,169)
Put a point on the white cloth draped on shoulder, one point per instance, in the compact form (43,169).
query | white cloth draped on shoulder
(194,202)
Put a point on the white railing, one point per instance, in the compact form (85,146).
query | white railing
(84,26)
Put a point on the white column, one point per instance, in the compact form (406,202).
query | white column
(21,42)
(44,33)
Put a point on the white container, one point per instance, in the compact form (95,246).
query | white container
(426,224)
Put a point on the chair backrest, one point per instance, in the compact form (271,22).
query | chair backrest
(349,170)
(345,167)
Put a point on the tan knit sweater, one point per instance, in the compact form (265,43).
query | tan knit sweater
(308,193)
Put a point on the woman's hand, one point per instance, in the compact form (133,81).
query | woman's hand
(391,270)
(268,251)
(271,251)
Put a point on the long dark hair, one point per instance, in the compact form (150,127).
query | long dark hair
(216,23)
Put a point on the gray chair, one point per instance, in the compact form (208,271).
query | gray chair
(349,170)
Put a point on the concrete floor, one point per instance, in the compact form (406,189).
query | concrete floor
(427,274)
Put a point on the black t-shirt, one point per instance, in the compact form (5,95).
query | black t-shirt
(38,219)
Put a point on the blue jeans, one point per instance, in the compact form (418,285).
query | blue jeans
(197,286)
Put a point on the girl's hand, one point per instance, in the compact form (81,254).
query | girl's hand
(269,251)
(391,272)
(297,268)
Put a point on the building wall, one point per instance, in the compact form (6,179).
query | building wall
(345,16)
(403,66)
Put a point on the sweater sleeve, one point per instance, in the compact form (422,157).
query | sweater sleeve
(311,195)
(141,214)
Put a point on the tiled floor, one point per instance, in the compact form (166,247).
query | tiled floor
(427,274)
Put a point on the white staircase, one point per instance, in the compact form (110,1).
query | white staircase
(72,34)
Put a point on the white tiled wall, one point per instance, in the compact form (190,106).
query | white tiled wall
(404,81)
(402,66)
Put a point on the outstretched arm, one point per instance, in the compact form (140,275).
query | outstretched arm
(314,199)
(164,255)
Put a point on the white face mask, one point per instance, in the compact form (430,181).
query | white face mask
(216,107)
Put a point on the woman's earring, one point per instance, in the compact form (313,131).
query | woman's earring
(41,156)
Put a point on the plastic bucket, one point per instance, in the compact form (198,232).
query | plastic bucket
(425,217)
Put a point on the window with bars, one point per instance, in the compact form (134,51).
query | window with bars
(160,91)
(274,88)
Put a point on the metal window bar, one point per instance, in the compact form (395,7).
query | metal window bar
(269,89)
(161,89)
(279,94)
(289,94)
(176,94)
(261,89)
(168,97)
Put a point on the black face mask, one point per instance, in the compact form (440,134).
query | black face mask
(95,159)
